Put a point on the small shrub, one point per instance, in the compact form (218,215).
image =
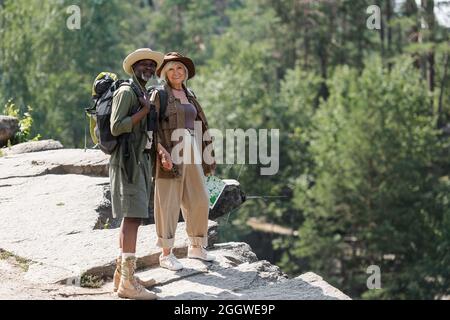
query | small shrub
(91,281)
(22,263)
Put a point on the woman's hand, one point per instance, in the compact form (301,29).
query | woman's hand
(166,159)
(213,168)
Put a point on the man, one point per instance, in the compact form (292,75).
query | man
(130,168)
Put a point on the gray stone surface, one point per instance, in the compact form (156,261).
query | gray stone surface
(33,146)
(9,126)
(234,275)
(237,275)
(53,209)
(50,219)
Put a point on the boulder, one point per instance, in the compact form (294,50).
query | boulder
(9,126)
(231,199)
(34,146)
(62,161)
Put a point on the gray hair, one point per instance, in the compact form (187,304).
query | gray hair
(168,66)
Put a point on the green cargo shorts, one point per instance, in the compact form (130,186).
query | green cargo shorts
(131,200)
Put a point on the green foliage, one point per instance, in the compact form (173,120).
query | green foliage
(46,65)
(379,186)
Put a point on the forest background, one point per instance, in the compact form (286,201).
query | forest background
(363,114)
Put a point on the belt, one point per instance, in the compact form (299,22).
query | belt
(147,150)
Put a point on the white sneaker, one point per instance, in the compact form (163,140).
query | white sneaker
(170,262)
(199,253)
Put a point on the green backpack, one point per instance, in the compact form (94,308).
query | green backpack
(99,114)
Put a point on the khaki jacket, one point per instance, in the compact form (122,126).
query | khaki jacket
(130,176)
(174,119)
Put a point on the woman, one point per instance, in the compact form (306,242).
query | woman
(181,186)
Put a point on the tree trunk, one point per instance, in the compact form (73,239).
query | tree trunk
(389,32)
(441,120)
(428,6)
(411,10)
(382,37)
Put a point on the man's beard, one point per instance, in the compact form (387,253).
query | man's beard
(145,78)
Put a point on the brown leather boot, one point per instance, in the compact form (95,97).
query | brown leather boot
(117,274)
(129,287)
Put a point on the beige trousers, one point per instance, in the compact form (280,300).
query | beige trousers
(187,193)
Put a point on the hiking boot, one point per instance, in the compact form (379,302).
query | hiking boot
(117,274)
(199,253)
(129,287)
(170,262)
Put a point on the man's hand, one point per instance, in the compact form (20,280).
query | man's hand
(138,116)
(145,102)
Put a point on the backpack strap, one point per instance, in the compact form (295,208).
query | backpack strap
(130,83)
(189,90)
(137,91)
(117,84)
(163,97)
